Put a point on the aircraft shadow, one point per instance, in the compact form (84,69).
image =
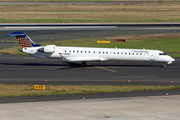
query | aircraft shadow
(67,65)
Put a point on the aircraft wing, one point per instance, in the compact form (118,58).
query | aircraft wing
(80,59)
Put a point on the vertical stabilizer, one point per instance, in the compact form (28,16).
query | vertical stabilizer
(23,39)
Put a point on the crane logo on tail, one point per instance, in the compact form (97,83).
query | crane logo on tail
(24,42)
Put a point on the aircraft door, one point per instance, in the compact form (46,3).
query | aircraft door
(152,57)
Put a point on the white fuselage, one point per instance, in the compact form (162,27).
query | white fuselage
(72,54)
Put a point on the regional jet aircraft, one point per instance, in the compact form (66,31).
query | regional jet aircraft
(86,54)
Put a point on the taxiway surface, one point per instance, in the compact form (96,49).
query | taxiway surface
(16,69)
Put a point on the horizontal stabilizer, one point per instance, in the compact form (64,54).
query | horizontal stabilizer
(16,34)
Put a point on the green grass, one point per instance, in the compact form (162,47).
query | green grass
(174,55)
(85,21)
(169,45)
(8,90)
(5,21)
(93,21)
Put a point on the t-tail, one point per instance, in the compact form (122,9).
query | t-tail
(23,39)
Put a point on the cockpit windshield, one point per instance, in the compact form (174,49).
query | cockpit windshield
(162,54)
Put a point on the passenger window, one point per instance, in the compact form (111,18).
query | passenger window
(106,52)
(133,53)
(84,51)
(69,51)
(140,53)
(94,52)
(99,52)
(81,51)
(89,51)
(77,51)
(73,51)
(121,52)
(136,53)
(103,52)
(125,53)
(117,52)
(129,53)
(114,52)
(65,51)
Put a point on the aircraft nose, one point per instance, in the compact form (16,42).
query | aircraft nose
(171,59)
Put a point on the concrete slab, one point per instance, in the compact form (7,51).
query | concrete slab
(136,108)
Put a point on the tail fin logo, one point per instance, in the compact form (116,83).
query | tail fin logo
(24,42)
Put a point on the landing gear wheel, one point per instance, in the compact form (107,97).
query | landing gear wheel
(84,64)
(164,65)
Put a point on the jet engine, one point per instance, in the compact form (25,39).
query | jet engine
(48,49)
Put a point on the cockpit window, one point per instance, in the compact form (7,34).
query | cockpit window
(162,54)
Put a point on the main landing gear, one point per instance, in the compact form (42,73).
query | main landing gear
(84,64)
(164,64)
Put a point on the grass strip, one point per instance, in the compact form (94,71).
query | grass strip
(86,21)
(90,13)
(8,90)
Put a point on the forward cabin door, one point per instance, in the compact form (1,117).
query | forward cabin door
(152,56)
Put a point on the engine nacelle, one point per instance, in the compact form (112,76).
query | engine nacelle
(48,49)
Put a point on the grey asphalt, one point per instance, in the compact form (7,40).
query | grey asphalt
(16,69)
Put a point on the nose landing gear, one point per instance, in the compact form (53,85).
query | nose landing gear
(84,64)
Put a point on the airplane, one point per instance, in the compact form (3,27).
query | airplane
(89,54)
